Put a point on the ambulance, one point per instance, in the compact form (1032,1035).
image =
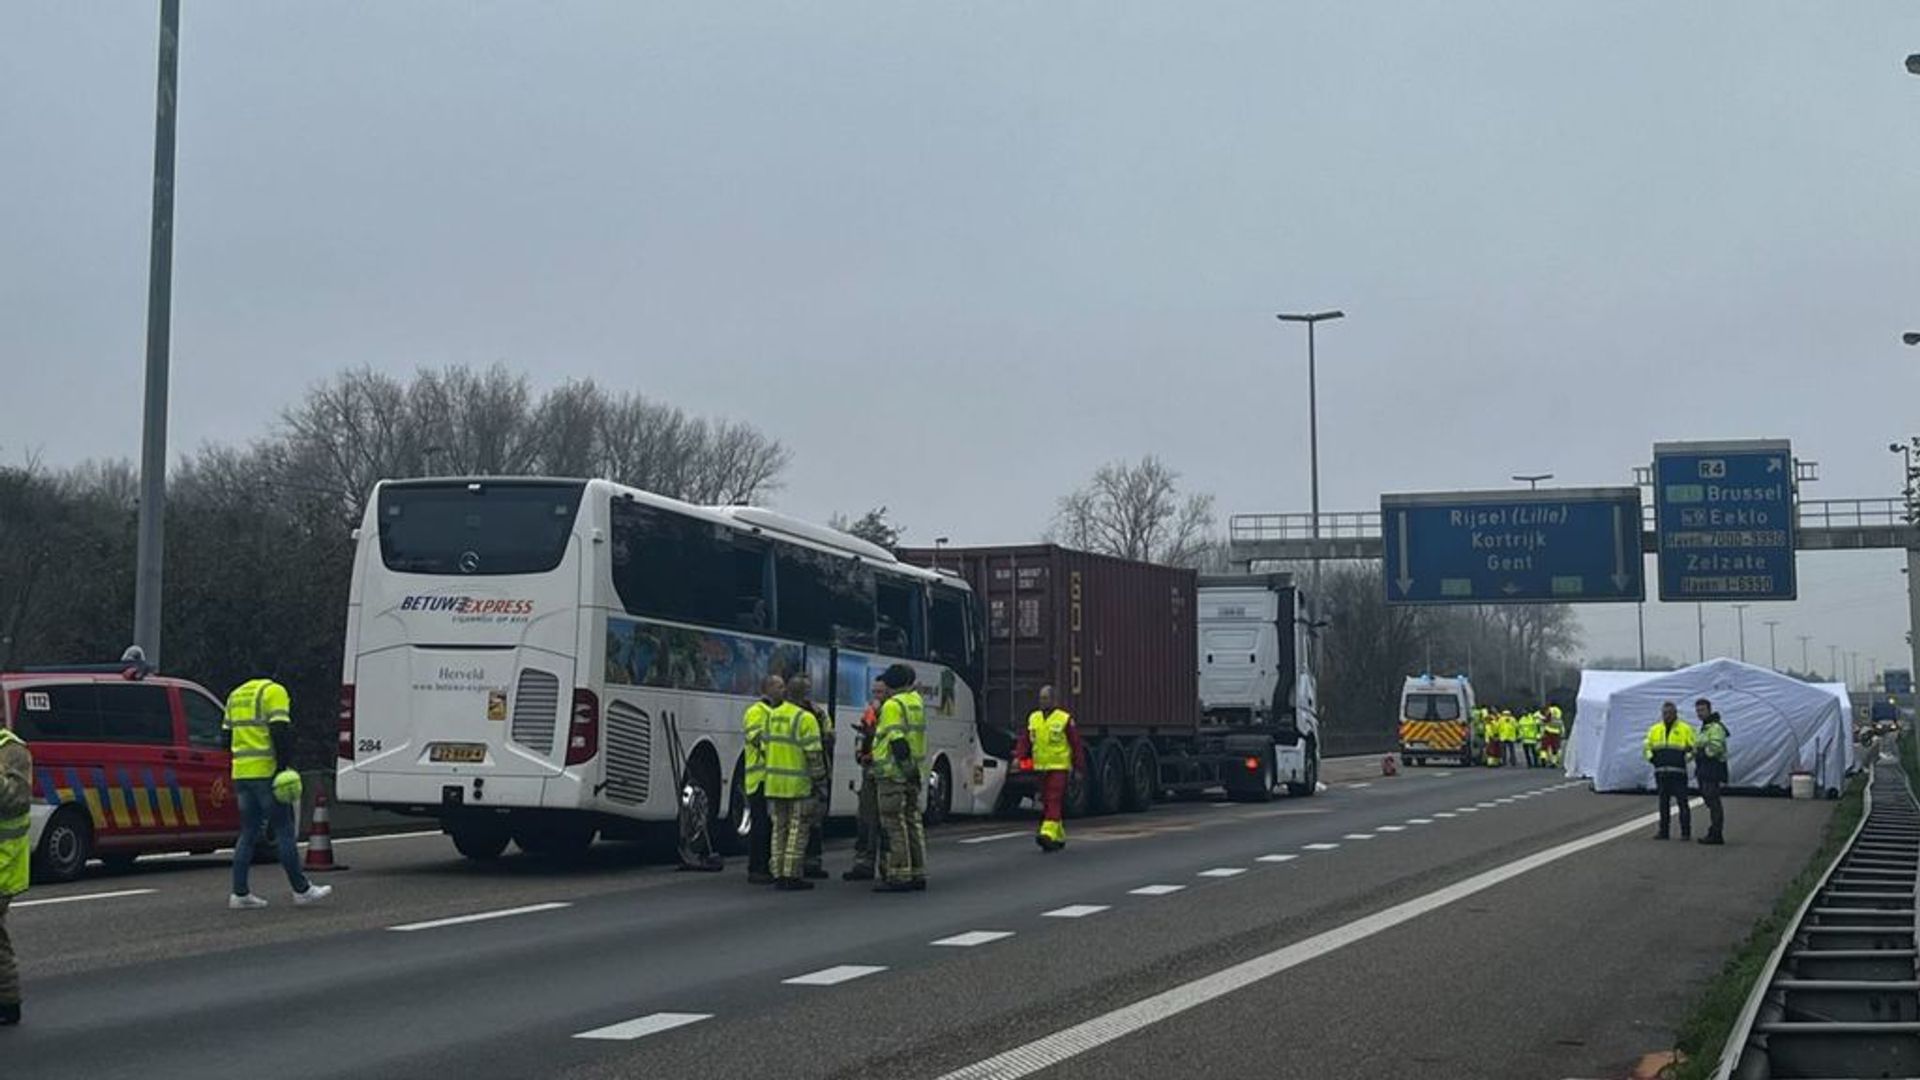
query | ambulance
(1435,719)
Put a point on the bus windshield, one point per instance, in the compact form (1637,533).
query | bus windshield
(474,528)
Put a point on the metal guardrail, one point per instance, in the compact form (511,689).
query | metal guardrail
(1812,514)
(1840,996)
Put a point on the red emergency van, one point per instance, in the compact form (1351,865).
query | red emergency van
(126,763)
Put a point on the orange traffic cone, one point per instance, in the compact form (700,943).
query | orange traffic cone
(1389,766)
(320,839)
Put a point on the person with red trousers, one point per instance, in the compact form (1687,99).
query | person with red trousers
(1051,747)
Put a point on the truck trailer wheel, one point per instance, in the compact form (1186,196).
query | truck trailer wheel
(1312,782)
(1079,800)
(1110,779)
(1143,776)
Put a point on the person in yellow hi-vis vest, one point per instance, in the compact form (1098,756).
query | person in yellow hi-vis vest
(16,797)
(260,722)
(796,769)
(899,754)
(773,692)
(1053,744)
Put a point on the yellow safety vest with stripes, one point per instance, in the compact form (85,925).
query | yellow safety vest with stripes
(902,716)
(251,708)
(14,854)
(793,742)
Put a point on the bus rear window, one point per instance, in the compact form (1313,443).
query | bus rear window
(1432,707)
(476,529)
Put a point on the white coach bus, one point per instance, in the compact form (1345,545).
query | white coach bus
(517,649)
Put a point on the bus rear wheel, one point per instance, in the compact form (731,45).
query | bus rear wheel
(557,837)
(480,839)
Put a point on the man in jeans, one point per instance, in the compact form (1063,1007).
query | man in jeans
(260,722)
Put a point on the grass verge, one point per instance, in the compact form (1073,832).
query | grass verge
(1704,1032)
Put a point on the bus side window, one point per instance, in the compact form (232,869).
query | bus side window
(897,607)
(949,638)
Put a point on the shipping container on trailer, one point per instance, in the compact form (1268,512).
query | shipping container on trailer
(1117,640)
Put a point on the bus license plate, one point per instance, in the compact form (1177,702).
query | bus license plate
(458,753)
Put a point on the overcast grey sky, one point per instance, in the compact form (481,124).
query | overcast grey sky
(957,255)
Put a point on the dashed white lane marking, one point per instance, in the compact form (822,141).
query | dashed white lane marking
(1446,814)
(115,895)
(1487,805)
(483,916)
(991,837)
(644,1026)
(834,976)
(1467,810)
(1503,801)
(1363,783)
(1419,821)
(1224,871)
(1320,847)
(1156,890)
(1050,1050)
(974,937)
(1358,836)
(1390,828)
(1276,858)
(1075,911)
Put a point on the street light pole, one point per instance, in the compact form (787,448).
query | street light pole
(1740,613)
(1313,319)
(1533,481)
(1700,622)
(1833,662)
(1773,648)
(1806,665)
(149,554)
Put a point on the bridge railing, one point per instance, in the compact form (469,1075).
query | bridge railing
(1365,524)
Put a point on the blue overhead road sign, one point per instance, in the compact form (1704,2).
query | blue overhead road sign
(1572,545)
(1724,514)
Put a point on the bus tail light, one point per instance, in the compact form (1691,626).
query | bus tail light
(346,721)
(583,733)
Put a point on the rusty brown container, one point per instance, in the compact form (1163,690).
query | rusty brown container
(1115,638)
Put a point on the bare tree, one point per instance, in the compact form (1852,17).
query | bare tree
(363,426)
(1136,512)
(872,526)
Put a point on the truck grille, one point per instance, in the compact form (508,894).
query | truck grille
(536,708)
(629,753)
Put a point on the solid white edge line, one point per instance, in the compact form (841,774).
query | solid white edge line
(1051,1050)
(973,937)
(654,1024)
(835,975)
(479,916)
(990,838)
(377,838)
(83,896)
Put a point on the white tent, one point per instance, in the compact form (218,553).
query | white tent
(1845,698)
(1775,726)
(1590,715)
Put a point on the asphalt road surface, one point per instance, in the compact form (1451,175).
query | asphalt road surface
(1469,923)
